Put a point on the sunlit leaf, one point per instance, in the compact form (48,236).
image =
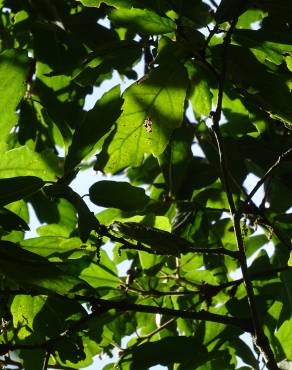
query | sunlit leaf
(115,3)
(201,96)
(142,20)
(14,69)
(24,162)
(152,109)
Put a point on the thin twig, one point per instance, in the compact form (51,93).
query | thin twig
(263,179)
(46,360)
(150,335)
(157,293)
(213,2)
(260,212)
(208,39)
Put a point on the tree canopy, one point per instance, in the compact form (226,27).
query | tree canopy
(213,106)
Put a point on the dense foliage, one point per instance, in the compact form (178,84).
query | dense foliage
(182,215)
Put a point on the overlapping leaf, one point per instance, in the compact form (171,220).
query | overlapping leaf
(153,108)
(143,20)
(31,270)
(15,188)
(24,162)
(115,3)
(95,125)
(14,70)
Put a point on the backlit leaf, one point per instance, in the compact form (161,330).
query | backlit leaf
(14,68)
(142,20)
(115,3)
(152,109)
(24,162)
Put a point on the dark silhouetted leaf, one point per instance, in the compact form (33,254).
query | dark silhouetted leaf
(118,194)
(15,188)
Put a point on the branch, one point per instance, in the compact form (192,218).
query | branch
(213,2)
(209,290)
(208,39)
(260,338)
(255,210)
(124,305)
(140,247)
(46,360)
(157,293)
(263,179)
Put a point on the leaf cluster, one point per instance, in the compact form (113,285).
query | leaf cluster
(207,263)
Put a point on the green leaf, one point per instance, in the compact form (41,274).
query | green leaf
(273,45)
(283,335)
(175,161)
(99,277)
(86,219)
(117,194)
(115,3)
(30,270)
(39,318)
(168,351)
(60,292)
(14,67)
(288,60)
(254,243)
(120,55)
(102,275)
(10,221)
(152,109)
(56,247)
(24,309)
(201,96)
(259,85)
(143,21)
(160,241)
(97,122)
(15,188)
(24,162)
(20,210)
(229,10)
